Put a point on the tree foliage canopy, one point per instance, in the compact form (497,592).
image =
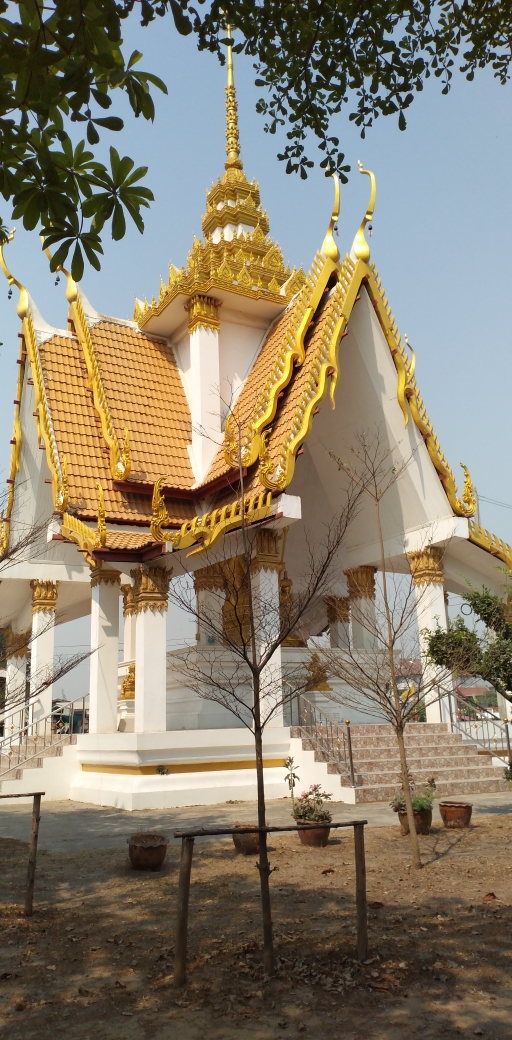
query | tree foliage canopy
(466,653)
(62,60)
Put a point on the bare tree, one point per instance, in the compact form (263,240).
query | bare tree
(374,678)
(245,613)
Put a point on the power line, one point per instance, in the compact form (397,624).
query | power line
(494,502)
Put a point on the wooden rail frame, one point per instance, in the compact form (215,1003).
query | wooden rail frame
(32,849)
(187,851)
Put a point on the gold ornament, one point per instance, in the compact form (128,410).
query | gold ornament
(361,582)
(128,684)
(44,595)
(427,566)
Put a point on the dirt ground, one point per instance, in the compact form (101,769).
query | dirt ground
(96,958)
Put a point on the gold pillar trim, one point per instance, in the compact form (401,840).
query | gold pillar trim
(427,566)
(338,609)
(361,582)
(128,684)
(212,577)
(17,643)
(203,311)
(101,577)
(129,606)
(151,588)
(267,550)
(44,595)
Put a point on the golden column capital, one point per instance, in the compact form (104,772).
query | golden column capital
(211,577)
(129,606)
(361,582)
(151,587)
(203,310)
(267,551)
(427,566)
(44,595)
(338,609)
(101,577)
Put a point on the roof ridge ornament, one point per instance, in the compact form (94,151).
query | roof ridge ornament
(360,246)
(71,286)
(233,161)
(329,247)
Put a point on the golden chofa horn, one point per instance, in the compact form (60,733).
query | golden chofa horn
(22,306)
(329,247)
(360,247)
(71,286)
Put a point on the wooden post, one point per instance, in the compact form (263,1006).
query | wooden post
(180,960)
(362,919)
(32,855)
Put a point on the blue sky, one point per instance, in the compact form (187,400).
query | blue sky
(441,239)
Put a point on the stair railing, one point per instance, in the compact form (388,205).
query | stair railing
(480,726)
(328,737)
(33,737)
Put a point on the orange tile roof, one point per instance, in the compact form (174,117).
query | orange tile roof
(144,390)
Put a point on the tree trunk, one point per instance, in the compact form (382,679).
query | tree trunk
(263,865)
(406,787)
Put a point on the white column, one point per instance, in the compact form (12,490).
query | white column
(210,595)
(361,588)
(151,591)
(428,580)
(44,604)
(17,645)
(105,651)
(205,403)
(338,616)
(265,569)
(128,622)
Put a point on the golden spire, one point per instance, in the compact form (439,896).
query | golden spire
(361,247)
(329,247)
(233,161)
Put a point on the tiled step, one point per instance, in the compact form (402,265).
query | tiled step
(416,763)
(420,777)
(413,750)
(447,789)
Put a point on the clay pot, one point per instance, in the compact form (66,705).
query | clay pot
(455,814)
(247,844)
(311,835)
(422,819)
(147,851)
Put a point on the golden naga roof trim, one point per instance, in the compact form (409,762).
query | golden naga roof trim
(329,245)
(491,543)
(408,393)
(160,516)
(45,430)
(120,463)
(87,538)
(14,463)
(211,526)
(360,247)
(242,447)
(324,363)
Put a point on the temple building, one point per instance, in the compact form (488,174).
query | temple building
(128,444)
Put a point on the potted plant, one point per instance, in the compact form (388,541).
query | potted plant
(309,809)
(422,802)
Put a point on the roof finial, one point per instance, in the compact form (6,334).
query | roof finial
(329,247)
(233,160)
(360,246)
(71,286)
(22,305)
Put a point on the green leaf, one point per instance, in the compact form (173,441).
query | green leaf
(110,122)
(92,134)
(181,22)
(118,223)
(77,264)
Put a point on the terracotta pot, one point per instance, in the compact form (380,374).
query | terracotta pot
(147,851)
(247,844)
(455,814)
(422,819)
(311,835)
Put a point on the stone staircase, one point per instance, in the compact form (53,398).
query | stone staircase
(24,756)
(432,751)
